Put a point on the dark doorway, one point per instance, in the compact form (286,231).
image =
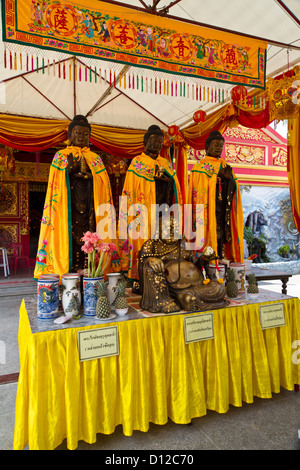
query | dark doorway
(37,194)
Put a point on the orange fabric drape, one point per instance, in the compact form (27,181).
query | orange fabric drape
(118,141)
(293,167)
(31,134)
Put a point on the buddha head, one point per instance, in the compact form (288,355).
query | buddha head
(153,141)
(214,144)
(79,131)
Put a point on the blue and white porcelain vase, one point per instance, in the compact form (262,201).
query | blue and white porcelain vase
(71,296)
(90,285)
(47,298)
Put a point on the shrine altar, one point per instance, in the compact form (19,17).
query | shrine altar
(155,376)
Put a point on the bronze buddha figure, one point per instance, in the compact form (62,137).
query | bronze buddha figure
(169,279)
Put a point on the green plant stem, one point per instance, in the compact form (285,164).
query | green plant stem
(99,270)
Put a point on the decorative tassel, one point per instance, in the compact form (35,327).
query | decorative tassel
(5,60)
(64,70)
(219,279)
(43,65)
(110,77)
(48,67)
(171,88)
(196,92)
(206,280)
(204,93)
(79,73)
(10,60)
(37,64)
(124,81)
(114,77)
(200,92)
(188,90)
(70,72)
(220,190)
(176,89)
(95,72)
(132,81)
(85,73)
(15,61)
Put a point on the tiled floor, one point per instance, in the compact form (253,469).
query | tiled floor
(266,424)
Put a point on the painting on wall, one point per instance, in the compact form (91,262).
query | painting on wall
(267,210)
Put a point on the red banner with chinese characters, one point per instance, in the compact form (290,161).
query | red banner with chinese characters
(106,31)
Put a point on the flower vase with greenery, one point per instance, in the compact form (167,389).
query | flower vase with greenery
(99,253)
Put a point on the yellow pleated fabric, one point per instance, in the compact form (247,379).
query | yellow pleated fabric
(156,375)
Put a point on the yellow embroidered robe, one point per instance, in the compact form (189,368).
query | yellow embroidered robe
(202,190)
(135,209)
(55,240)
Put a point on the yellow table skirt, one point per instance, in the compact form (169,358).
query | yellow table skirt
(156,376)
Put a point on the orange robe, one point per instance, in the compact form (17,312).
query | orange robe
(202,190)
(139,191)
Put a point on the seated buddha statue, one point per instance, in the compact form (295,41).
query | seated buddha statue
(169,279)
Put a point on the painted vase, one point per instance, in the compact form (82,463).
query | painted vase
(90,285)
(112,283)
(47,298)
(212,271)
(240,275)
(71,295)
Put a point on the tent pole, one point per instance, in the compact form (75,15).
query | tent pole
(108,91)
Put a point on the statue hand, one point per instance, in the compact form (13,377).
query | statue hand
(226,172)
(70,159)
(84,175)
(156,264)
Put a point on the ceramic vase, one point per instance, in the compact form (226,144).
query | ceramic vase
(212,271)
(112,283)
(71,295)
(239,269)
(47,298)
(90,285)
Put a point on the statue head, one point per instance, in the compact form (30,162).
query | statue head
(79,131)
(153,140)
(214,144)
